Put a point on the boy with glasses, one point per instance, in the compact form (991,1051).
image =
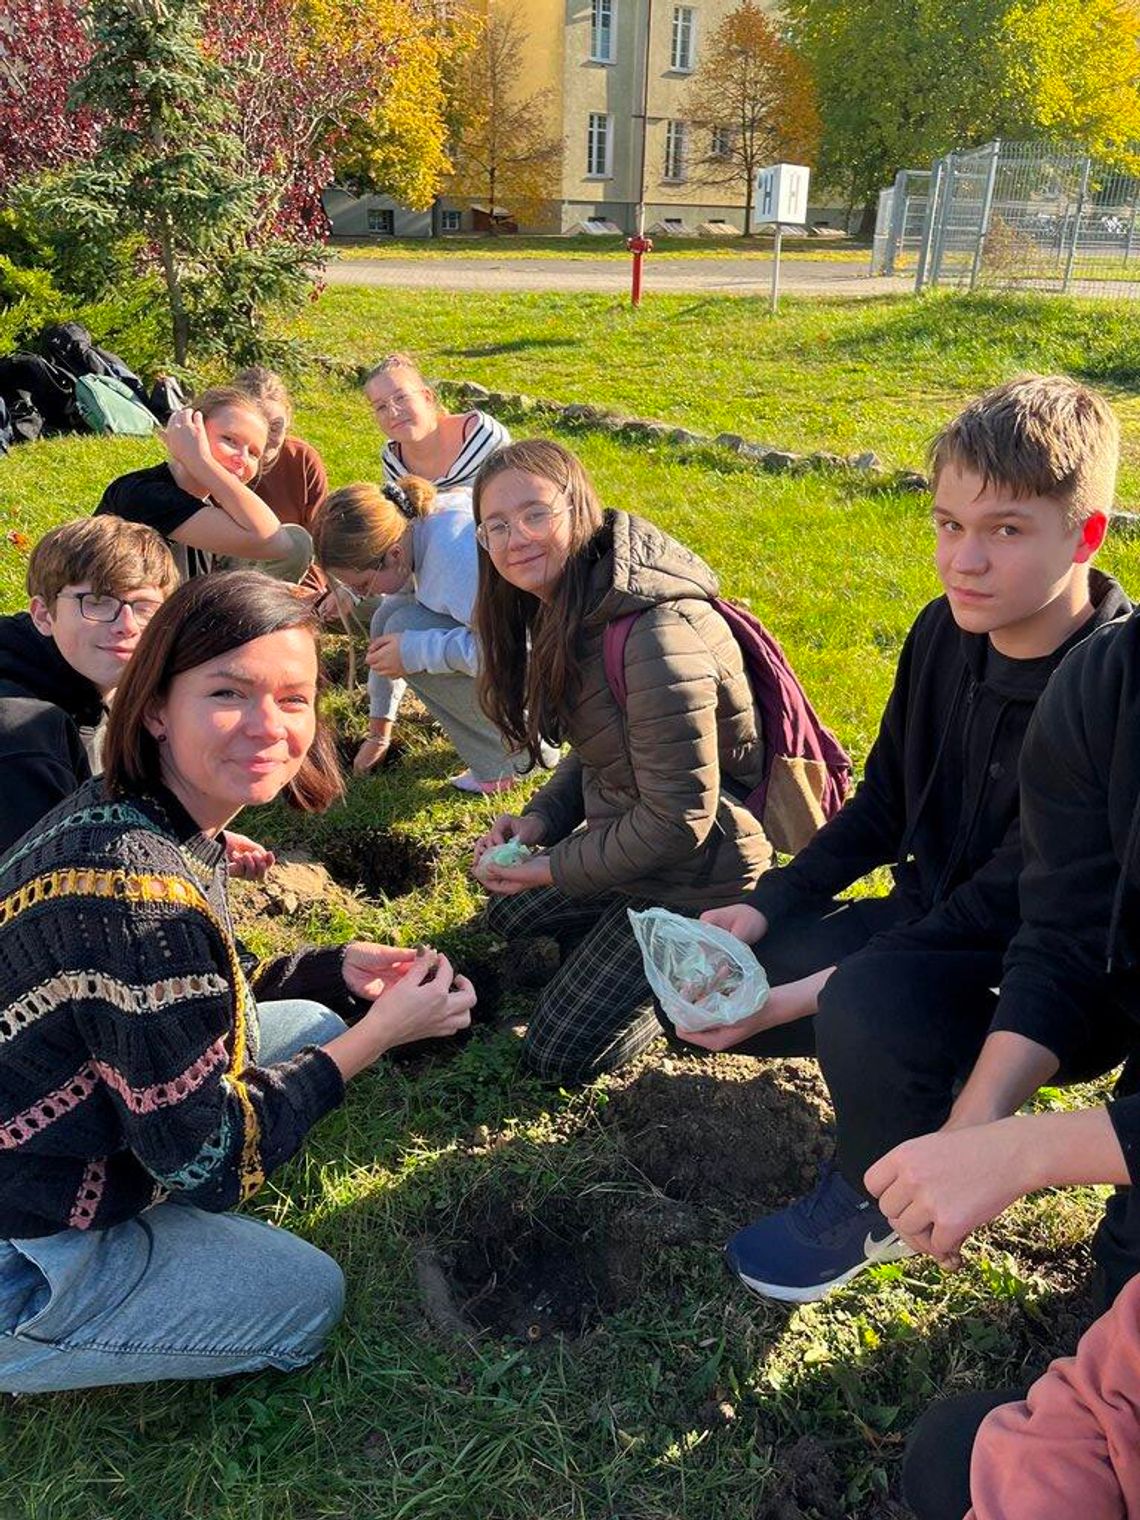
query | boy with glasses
(93,587)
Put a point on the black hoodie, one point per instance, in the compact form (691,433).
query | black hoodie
(1072,973)
(48,717)
(939,795)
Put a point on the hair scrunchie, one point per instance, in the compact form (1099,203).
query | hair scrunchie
(401,501)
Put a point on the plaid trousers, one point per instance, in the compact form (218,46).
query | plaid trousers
(597,1012)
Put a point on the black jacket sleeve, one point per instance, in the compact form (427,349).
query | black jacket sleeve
(1055,986)
(867,831)
(43,762)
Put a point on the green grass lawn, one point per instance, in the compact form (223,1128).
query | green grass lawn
(668,1393)
(587,247)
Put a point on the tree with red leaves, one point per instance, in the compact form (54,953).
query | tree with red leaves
(43,48)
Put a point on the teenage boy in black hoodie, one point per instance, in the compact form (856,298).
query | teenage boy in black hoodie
(1069,1007)
(896,995)
(93,586)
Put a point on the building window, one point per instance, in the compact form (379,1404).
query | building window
(602,31)
(675,150)
(598,150)
(721,146)
(451,221)
(381,220)
(684,28)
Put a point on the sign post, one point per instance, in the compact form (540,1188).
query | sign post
(781,201)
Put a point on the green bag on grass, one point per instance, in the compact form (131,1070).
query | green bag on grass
(107,405)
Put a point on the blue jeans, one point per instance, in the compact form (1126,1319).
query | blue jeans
(176,1292)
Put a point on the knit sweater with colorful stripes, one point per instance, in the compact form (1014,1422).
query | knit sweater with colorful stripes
(128,1026)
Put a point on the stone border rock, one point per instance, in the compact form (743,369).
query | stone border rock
(765,457)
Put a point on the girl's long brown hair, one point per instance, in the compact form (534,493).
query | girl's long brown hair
(530,668)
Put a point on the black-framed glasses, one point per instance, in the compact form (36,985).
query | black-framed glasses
(97,608)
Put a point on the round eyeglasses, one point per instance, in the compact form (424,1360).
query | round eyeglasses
(535,523)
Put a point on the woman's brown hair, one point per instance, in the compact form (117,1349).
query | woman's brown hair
(356,526)
(208,617)
(530,651)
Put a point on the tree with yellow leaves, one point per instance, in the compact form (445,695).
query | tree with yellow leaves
(504,148)
(398,142)
(751,103)
(902,82)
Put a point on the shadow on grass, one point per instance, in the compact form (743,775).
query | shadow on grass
(515,346)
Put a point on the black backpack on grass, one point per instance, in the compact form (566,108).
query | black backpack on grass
(19,423)
(70,346)
(49,390)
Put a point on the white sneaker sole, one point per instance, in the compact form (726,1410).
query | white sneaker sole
(892,1249)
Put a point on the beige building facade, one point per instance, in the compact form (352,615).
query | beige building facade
(620,81)
(617,72)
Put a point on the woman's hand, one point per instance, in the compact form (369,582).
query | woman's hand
(369,970)
(246,860)
(427,1002)
(739,920)
(528,830)
(505,881)
(783,1005)
(383,656)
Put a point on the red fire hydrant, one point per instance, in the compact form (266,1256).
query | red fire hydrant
(639,246)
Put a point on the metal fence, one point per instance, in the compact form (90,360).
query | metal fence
(1018,215)
(900,221)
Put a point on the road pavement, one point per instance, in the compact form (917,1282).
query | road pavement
(720,276)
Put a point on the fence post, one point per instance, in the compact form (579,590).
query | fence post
(928,221)
(1132,221)
(898,222)
(1081,195)
(945,207)
(987,208)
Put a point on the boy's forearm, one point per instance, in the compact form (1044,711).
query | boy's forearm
(1067,1150)
(1009,1070)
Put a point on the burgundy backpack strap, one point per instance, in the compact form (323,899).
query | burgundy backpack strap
(614,640)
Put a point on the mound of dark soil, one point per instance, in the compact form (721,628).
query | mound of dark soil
(729,1131)
(807,1485)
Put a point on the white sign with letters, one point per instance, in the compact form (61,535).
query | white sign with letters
(781,196)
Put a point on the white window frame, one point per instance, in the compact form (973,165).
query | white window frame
(676,152)
(720,145)
(378,216)
(603,24)
(451,220)
(683,59)
(606,160)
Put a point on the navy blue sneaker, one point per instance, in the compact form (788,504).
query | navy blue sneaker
(814,1245)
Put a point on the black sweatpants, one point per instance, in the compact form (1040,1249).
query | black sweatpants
(936,1470)
(900,1022)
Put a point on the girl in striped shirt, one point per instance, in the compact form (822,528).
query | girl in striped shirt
(423,439)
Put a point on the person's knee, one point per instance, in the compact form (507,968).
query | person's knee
(309,1286)
(936,1466)
(855,1015)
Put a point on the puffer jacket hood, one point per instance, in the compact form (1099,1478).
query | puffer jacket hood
(641,567)
(32,666)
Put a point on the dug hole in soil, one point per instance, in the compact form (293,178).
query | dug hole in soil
(380,862)
(528,1275)
(726,1136)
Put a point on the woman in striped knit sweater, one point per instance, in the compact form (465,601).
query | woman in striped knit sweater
(148,1083)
